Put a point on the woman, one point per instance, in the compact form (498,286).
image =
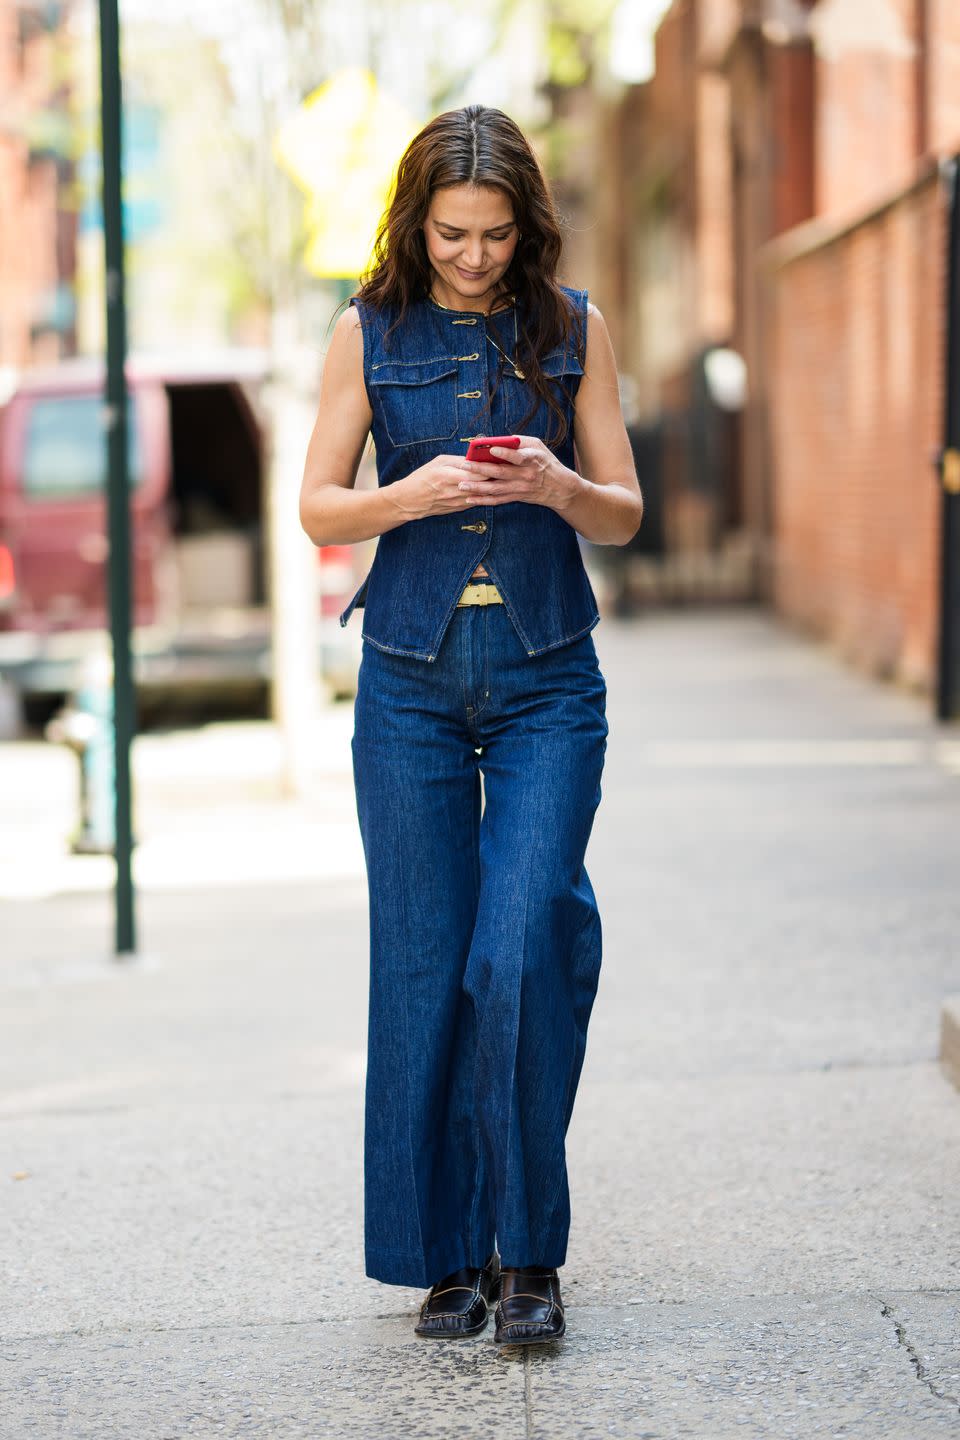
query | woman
(477,662)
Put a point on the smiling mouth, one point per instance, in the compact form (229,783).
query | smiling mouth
(470,274)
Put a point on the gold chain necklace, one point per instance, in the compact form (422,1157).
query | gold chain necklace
(509,298)
(516,343)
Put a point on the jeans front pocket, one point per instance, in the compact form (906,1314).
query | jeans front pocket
(417,398)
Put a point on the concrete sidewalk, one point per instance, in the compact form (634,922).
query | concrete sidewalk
(765,1155)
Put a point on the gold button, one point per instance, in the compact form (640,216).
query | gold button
(480,527)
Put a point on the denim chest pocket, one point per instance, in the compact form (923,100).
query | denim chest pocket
(417,398)
(563,372)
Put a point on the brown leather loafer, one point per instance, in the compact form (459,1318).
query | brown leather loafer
(458,1304)
(530,1310)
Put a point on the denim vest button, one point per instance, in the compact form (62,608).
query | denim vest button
(480,527)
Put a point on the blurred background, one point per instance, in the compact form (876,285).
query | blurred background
(757,193)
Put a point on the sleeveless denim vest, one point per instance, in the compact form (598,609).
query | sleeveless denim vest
(427,387)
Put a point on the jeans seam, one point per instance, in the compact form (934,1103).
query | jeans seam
(469,714)
(464,649)
(484,667)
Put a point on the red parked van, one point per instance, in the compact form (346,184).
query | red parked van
(200,609)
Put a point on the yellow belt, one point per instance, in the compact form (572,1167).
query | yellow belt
(481,595)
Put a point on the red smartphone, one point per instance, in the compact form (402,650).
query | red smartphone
(480,449)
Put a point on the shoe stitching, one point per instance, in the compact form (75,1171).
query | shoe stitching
(527,1295)
(426,1313)
(471,1289)
(555,1307)
(447,1314)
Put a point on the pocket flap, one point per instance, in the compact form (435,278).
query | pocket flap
(412,372)
(561,362)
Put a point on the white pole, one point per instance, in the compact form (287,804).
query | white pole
(294,573)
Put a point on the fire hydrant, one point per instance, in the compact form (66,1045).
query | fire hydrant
(85,724)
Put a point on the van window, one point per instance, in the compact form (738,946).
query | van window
(65,454)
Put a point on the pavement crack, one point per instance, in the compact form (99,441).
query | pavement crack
(920,1369)
(528,1394)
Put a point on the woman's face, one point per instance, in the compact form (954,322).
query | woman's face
(470,235)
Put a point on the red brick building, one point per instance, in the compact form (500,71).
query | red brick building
(790,202)
(857,324)
(38,220)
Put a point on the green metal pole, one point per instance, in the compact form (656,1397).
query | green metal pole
(118,485)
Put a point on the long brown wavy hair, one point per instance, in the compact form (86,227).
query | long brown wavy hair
(478,145)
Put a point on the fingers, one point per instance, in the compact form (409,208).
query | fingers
(530,454)
(530,445)
(484,492)
(500,495)
(503,499)
(482,469)
(513,457)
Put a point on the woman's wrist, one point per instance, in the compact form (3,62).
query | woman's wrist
(604,514)
(571,487)
(335,515)
(398,497)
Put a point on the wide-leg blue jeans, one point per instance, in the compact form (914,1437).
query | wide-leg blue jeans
(485,941)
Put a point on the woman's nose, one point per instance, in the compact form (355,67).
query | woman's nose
(473,257)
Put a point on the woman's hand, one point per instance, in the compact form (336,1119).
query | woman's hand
(432,489)
(532,474)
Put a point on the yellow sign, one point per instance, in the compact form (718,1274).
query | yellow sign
(342,146)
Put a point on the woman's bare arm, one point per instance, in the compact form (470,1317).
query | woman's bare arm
(331,511)
(609,508)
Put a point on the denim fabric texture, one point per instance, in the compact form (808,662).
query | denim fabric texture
(427,386)
(485,941)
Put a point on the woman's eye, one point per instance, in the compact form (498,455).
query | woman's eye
(495,238)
